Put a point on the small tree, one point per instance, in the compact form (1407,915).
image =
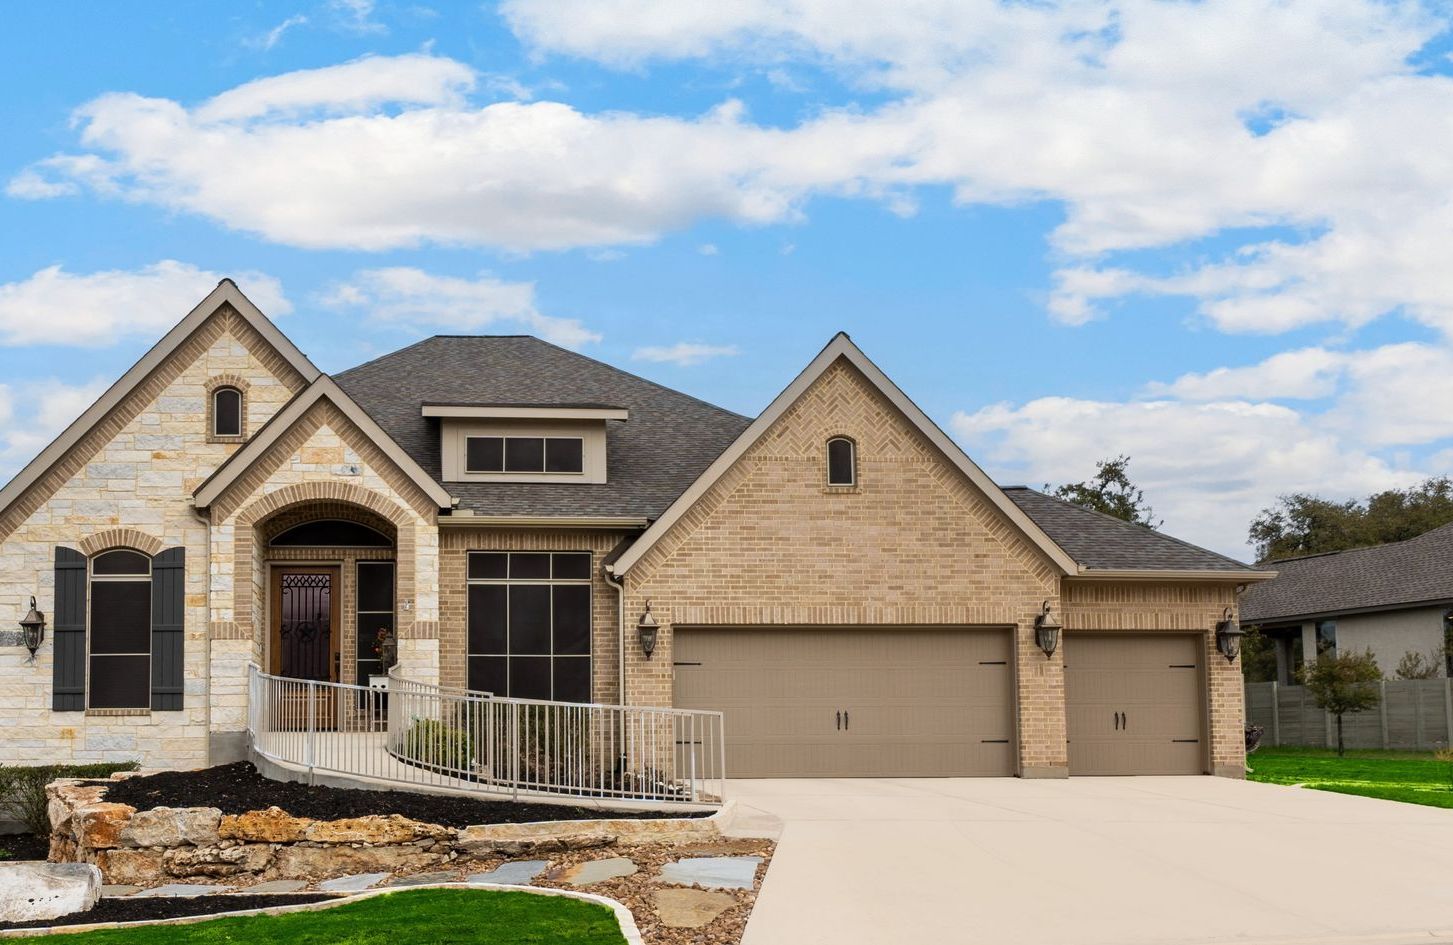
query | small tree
(1415,665)
(1342,683)
(1110,491)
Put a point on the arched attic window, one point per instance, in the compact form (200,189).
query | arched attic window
(227,411)
(842,462)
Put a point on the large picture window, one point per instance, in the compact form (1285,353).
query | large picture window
(529,624)
(119,644)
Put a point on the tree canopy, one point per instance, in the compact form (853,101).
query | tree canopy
(1304,524)
(1110,491)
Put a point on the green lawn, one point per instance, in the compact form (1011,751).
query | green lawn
(1411,776)
(448,916)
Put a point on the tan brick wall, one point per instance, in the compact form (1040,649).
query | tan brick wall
(129,482)
(455,543)
(1172,608)
(914,543)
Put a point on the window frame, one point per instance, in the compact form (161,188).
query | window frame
(218,387)
(92,579)
(1325,643)
(504,469)
(852,444)
(551,582)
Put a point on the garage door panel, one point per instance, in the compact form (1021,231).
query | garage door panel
(918,701)
(1134,704)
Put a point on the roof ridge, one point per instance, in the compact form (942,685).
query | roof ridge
(1380,546)
(1120,521)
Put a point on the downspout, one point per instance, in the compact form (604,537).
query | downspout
(619,583)
(205,517)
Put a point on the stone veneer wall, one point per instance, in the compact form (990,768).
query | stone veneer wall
(322,461)
(914,543)
(456,542)
(133,473)
(1174,608)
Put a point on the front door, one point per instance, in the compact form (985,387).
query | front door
(305,643)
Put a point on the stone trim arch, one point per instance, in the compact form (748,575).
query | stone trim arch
(120,538)
(227,380)
(301,492)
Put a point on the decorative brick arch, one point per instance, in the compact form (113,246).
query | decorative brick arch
(251,524)
(120,538)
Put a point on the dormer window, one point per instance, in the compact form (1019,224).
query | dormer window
(524,454)
(226,411)
(842,462)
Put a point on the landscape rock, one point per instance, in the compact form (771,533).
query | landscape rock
(118,891)
(355,883)
(32,892)
(690,908)
(595,871)
(515,839)
(275,886)
(424,879)
(130,867)
(217,861)
(378,829)
(172,827)
(180,891)
(513,873)
(713,872)
(273,825)
(322,862)
(98,826)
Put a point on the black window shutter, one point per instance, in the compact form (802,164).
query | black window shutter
(68,685)
(168,620)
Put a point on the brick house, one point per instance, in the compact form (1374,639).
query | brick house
(835,574)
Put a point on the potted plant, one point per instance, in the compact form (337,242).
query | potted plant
(386,648)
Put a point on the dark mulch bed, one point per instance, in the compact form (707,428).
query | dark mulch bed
(131,909)
(23,846)
(238,788)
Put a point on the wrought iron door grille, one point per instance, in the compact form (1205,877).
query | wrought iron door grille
(305,631)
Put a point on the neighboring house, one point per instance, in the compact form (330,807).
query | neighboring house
(511,508)
(1392,599)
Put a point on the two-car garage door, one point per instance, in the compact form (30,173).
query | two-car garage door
(854,702)
(936,702)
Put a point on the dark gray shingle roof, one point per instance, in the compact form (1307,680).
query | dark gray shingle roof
(1101,541)
(1418,570)
(666,444)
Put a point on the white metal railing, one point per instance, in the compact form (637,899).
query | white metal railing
(419,734)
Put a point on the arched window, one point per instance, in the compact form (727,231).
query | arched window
(842,462)
(226,412)
(119,642)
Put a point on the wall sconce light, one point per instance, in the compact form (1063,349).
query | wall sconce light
(1046,631)
(1228,636)
(32,630)
(647,629)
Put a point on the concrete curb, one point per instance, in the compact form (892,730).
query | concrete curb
(624,919)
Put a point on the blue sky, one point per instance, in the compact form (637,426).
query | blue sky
(1212,236)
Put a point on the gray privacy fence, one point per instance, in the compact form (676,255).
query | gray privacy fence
(1414,714)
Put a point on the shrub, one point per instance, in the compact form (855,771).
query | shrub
(22,789)
(1342,683)
(1415,665)
(433,743)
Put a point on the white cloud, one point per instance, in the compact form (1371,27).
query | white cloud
(32,413)
(1305,374)
(274,36)
(1207,468)
(709,249)
(1144,119)
(423,301)
(356,16)
(683,353)
(95,309)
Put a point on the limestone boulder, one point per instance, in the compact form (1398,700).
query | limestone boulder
(99,826)
(31,892)
(130,867)
(172,827)
(321,862)
(515,839)
(273,825)
(381,829)
(251,858)
(690,908)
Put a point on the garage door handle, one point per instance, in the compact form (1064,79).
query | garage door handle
(846,720)
(840,720)
(1124,721)
(1117,721)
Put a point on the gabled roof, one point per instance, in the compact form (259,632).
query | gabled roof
(323,388)
(668,440)
(1103,545)
(842,347)
(1415,572)
(226,293)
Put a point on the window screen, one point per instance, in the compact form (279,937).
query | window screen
(227,411)
(375,611)
(530,624)
(524,454)
(119,637)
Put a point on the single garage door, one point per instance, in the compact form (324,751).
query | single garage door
(1134,704)
(854,702)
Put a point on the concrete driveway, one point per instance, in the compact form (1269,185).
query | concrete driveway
(1159,861)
